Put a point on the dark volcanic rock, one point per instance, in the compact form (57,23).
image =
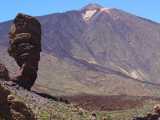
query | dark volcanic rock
(3,72)
(12,109)
(25,47)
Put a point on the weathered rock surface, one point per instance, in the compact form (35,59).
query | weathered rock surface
(12,109)
(25,48)
(3,72)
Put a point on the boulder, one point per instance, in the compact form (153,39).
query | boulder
(12,109)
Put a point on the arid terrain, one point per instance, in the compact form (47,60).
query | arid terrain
(100,59)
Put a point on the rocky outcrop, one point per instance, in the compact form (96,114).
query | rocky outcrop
(25,48)
(4,109)
(12,109)
(3,72)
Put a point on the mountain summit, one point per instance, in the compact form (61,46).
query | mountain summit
(91,10)
(96,52)
(92,6)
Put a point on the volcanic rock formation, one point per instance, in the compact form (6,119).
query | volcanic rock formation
(10,108)
(25,48)
(4,72)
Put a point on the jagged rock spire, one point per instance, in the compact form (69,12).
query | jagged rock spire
(25,48)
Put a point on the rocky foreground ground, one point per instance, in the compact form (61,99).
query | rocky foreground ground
(21,104)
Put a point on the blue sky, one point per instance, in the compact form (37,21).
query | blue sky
(144,8)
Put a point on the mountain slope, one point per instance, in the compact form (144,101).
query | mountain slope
(96,50)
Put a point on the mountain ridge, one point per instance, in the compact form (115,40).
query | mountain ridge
(107,47)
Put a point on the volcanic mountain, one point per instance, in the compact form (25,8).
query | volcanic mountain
(95,50)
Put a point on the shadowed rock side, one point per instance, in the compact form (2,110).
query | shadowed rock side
(25,47)
(4,72)
(10,108)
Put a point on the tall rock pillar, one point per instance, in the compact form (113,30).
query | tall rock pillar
(25,48)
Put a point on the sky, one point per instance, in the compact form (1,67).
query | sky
(9,8)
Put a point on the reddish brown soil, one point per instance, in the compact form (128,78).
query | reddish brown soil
(101,103)
(109,103)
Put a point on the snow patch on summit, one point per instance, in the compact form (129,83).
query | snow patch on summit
(88,14)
